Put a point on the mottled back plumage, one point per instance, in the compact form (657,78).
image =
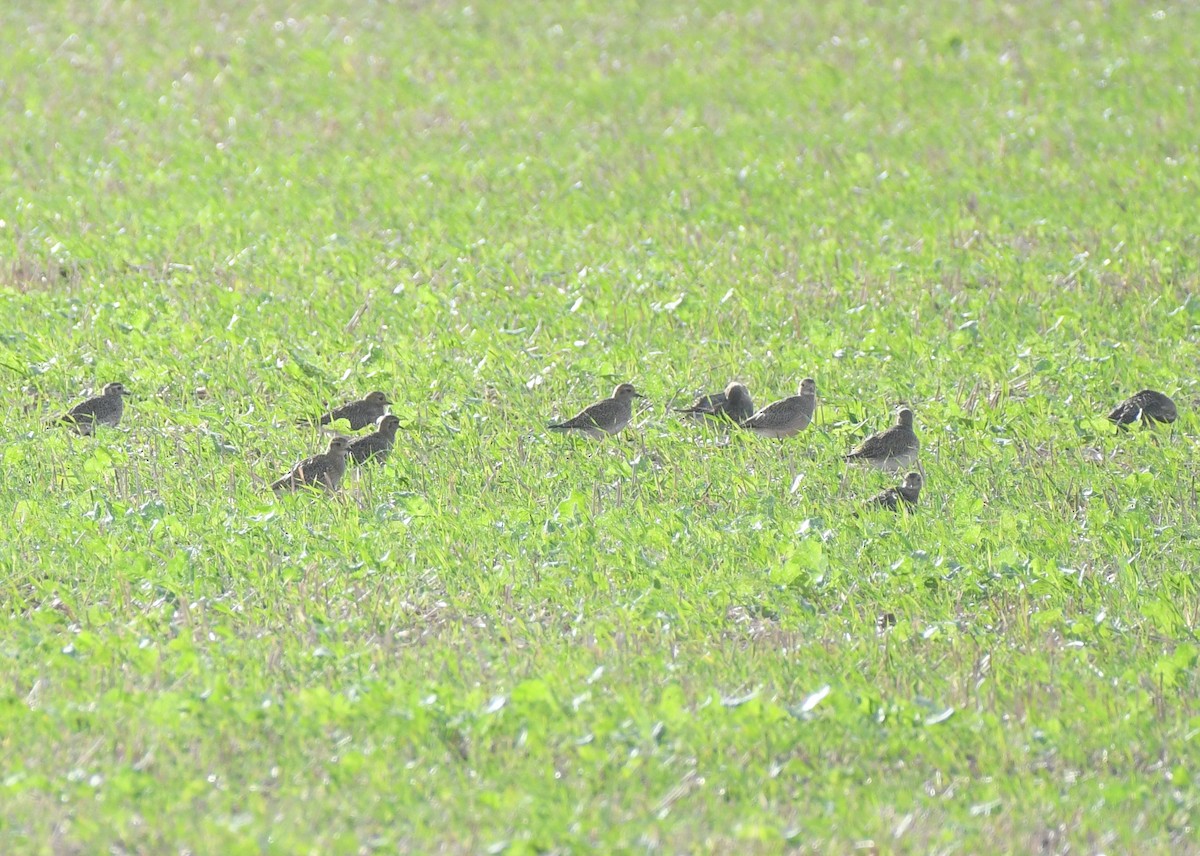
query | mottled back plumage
(360,413)
(1147,405)
(104,409)
(324,470)
(890,449)
(604,417)
(733,403)
(786,417)
(377,445)
(907,493)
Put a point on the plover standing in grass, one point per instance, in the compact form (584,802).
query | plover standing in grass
(360,414)
(1147,405)
(378,445)
(906,493)
(732,403)
(104,409)
(604,417)
(786,417)
(324,470)
(892,448)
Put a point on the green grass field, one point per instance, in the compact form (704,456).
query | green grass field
(508,641)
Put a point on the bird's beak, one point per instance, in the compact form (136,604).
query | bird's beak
(638,395)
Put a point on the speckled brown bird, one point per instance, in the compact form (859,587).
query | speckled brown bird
(1147,405)
(733,403)
(324,470)
(891,449)
(906,493)
(377,445)
(104,409)
(607,416)
(788,416)
(360,414)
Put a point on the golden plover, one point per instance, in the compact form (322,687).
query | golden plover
(906,493)
(1147,405)
(378,445)
(604,417)
(104,409)
(360,414)
(892,448)
(786,417)
(733,403)
(324,470)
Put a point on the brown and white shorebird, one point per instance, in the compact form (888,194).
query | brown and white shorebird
(733,403)
(360,413)
(604,417)
(377,445)
(786,417)
(324,470)
(104,409)
(890,449)
(904,494)
(1147,405)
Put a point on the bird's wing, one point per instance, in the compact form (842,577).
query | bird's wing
(1124,412)
(308,468)
(768,413)
(366,446)
(86,409)
(886,499)
(587,418)
(873,447)
(287,480)
(705,404)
